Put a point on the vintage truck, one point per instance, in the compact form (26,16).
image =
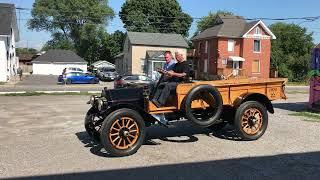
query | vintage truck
(118,117)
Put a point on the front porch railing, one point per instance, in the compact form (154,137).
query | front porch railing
(231,73)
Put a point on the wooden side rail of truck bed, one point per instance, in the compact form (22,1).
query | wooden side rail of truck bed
(231,91)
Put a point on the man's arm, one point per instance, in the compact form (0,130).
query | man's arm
(172,73)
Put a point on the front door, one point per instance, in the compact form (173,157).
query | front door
(235,68)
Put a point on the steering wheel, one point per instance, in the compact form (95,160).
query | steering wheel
(157,85)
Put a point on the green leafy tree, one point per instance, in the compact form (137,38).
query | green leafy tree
(115,43)
(290,52)
(210,20)
(20,51)
(164,16)
(69,21)
(58,41)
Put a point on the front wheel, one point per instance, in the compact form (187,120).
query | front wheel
(92,124)
(251,120)
(123,132)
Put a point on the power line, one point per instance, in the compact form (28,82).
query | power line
(307,18)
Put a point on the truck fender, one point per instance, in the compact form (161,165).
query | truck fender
(261,98)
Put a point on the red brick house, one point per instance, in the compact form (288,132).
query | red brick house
(233,47)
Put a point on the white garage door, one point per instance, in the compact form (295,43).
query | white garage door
(54,69)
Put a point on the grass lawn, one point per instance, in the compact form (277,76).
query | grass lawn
(297,83)
(308,116)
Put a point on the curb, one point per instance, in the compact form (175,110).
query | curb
(14,92)
(48,92)
(288,86)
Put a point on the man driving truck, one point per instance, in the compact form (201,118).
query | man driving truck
(178,73)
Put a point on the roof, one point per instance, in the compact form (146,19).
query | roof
(119,55)
(8,20)
(157,39)
(97,63)
(155,54)
(25,57)
(59,56)
(229,26)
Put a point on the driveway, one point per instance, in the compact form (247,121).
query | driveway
(38,80)
(42,137)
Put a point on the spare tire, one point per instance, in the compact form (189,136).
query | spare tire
(205,116)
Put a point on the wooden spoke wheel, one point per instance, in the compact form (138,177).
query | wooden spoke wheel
(251,120)
(122,132)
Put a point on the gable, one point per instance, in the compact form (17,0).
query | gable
(262,30)
(265,32)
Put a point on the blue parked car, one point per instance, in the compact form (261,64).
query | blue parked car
(77,78)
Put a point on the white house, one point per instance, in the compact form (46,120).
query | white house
(9,35)
(54,61)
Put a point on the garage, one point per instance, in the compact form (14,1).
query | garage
(54,61)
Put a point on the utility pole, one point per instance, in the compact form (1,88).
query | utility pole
(19,11)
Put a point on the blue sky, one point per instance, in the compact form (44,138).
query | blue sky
(197,8)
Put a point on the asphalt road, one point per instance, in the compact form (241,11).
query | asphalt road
(42,137)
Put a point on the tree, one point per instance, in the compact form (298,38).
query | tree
(69,20)
(20,51)
(210,20)
(58,41)
(115,43)
(164,16)
(290,52)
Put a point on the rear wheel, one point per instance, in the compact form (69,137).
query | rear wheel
(92,81)
(123,132)
(68,81)
(251,120)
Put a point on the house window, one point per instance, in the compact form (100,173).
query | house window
(206,47)
(257,31)
(256,66)
(257,46)
(230,45)
(205,66)
(225,61)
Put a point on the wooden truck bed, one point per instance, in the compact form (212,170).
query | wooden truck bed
(230,90)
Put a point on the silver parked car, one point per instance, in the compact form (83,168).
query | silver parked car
(107,74)
(132,81)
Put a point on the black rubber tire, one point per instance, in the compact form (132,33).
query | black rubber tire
(92,81)
(218,100)
(237,120)
(68,81)
(88,125)
(105,129)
